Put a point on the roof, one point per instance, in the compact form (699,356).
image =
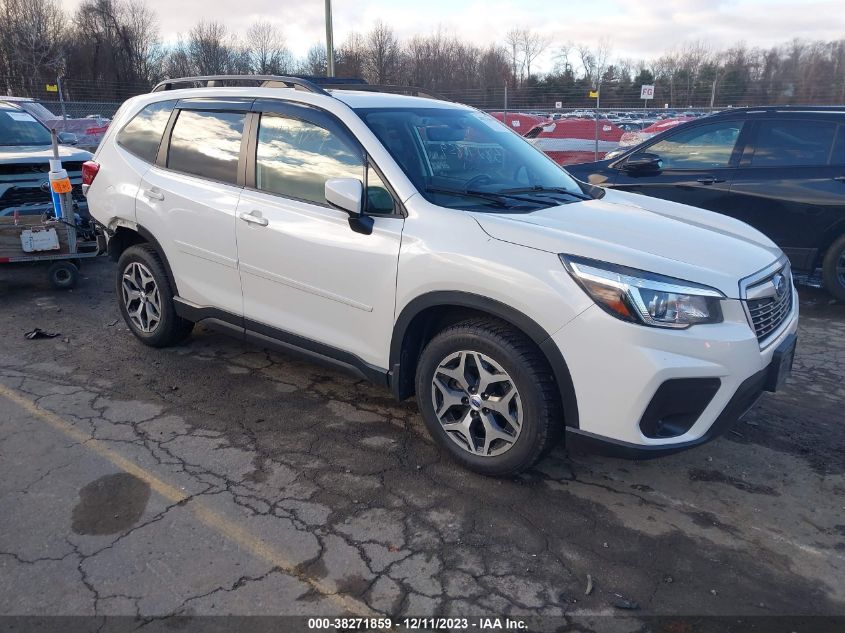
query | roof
(368,99)
(8,104)
(781,108)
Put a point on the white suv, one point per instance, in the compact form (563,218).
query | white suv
(432,250)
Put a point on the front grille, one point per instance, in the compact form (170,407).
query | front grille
(73,168)
(769,312)
(23,196)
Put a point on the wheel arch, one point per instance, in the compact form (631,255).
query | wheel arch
(831,235)
(427,314)
(123,237)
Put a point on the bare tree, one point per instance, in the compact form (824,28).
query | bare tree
(513,40)
(315,62)
(350,57)
(209,48)
(666,69)
(532,45)
(383,52)
(561,57)
(594,60)
(146,52)
(33,35)
(268,50)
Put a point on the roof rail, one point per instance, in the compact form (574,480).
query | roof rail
(210,81)
(314,84)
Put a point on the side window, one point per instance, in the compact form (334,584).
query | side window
(701,147)
(207,144)
(838,155)
(294,158)
(379,199)
(791,143)
(142,135)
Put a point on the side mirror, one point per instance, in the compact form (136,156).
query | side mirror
(67,138)
(347,194)
(643,163)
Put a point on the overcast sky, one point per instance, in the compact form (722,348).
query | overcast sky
(638,28)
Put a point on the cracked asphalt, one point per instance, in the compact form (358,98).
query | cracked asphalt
(219,478)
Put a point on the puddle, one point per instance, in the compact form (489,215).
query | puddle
(110,504)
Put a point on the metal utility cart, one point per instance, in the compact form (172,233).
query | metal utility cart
(53,240)
(62,252)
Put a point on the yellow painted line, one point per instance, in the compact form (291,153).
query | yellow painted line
(220,524)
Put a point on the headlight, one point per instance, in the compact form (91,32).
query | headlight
(646,298)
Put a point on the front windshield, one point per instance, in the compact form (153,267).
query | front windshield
(19,128)
(468,160)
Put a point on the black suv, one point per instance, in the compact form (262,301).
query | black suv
(780,169)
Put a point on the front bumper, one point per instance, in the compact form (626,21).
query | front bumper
(618,368)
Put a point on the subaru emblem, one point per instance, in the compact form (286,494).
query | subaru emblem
(779,282)
(45,186)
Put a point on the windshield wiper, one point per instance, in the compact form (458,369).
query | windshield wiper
(496,197)
(541,189)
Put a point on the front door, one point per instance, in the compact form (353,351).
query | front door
(304,271)
(697,166)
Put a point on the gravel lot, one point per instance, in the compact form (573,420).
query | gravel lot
(218,478)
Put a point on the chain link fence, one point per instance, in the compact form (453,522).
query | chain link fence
(565,123)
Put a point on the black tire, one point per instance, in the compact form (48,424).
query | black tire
(170,328)
(63,275)
(516,354)
(833,269)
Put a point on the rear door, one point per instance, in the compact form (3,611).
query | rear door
(307,276)
(698,164)
(791,184)
(188,200)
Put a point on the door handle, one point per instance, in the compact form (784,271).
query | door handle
(154,193)
(710,180)
(254,217)
(840,178)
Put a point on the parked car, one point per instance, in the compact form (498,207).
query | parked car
(25,153)
(519,122)
(88,130)
(637,136)
(574,140)
(427,247)
(781,170)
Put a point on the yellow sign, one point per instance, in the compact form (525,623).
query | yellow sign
(594,94)
(52,88)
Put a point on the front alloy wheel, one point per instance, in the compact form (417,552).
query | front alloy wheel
(477,403)
(141,297)
(488,396)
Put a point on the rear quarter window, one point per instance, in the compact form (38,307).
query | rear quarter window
(793,143)
(142,135)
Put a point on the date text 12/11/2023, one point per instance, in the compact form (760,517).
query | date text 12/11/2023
(429,624)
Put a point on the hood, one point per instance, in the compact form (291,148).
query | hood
(40,154)
(647,233)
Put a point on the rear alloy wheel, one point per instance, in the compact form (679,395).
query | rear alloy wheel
(146,298)
(833,269)
(488,396)
(141,297)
